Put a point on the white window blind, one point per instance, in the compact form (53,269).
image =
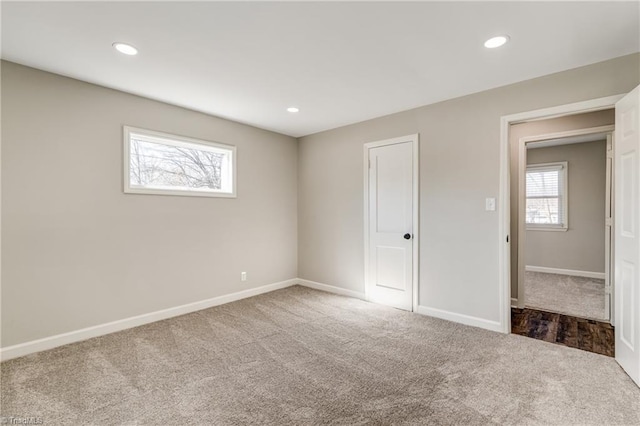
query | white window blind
(546,194)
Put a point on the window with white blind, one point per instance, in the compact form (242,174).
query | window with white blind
(546,201)
(164,164)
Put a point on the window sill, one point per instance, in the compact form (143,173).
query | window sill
(547,228)
(184,193)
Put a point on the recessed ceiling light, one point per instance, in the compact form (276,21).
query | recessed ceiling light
(494,42)
(293,109)
(125,48)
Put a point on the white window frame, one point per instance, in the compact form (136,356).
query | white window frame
(564,195)
(175,140)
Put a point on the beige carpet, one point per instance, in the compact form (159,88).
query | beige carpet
(300,356)
(576,296)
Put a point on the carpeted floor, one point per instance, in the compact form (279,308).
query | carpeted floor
(575,296)
(300,356)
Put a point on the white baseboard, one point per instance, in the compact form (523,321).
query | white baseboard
(572,272)
(461,318)
(514,302)
(51,342)
(423,310)
(331,289)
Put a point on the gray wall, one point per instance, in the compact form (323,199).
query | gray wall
(459,167)
(535,128)
(78,252)
(581,247)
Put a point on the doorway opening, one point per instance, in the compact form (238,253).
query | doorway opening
(625,250)
(564,214)
(561,204)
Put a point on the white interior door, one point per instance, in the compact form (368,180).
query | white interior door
(390,251)
(627,238)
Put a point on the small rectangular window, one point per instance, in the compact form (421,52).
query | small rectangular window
(164,164)
(546,196)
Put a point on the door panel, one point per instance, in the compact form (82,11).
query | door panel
(392,169)
(626,309)
(390,263)
(628,170)
(626,240)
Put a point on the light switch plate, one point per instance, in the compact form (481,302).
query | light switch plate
(490,204)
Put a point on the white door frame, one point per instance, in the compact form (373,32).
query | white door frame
(504,202)
(609,231)
(522,168)
(415,140)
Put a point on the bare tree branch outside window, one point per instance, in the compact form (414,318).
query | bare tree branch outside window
(158,165)
(164,164)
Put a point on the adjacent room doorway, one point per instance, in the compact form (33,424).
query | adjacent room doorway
(625,255)
(564,218)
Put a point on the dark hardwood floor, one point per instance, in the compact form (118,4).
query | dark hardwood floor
(580,333)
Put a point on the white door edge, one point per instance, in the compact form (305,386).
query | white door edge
(627,236)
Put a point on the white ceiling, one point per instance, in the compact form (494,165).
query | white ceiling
(340,63)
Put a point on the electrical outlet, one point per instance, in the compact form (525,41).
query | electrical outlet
(243,276)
